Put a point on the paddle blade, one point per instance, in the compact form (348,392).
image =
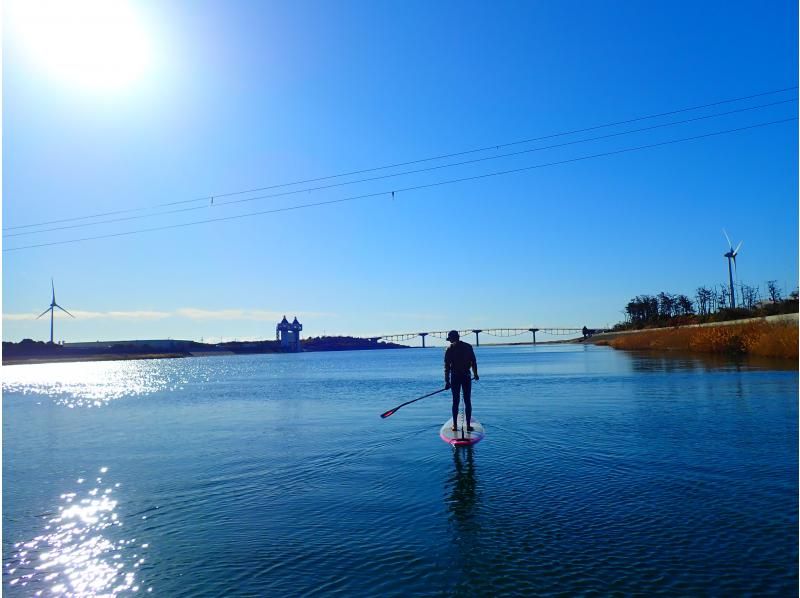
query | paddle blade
(388,413)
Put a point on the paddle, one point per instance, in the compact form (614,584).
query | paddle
(391,411)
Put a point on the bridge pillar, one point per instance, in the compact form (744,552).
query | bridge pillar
(533,331)
(423,335)
(477,340)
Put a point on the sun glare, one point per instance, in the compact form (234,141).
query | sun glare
(95,44)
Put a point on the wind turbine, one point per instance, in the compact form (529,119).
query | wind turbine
(731,255)
(52,309)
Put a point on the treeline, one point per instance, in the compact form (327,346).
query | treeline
(345,343)
(709,304)
(248,346)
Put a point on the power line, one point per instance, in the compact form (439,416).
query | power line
(396,174)
(407,163)
(406,189)
(508,144)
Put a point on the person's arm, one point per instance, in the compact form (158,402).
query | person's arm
(474,365)
(447,367)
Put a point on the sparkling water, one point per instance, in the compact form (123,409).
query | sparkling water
(273,475)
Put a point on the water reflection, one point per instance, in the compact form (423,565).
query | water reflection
(679,361)
(462,495)
(79,553)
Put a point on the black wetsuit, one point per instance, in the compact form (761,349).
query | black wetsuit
(458,359)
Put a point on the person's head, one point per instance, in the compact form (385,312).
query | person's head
(452,336)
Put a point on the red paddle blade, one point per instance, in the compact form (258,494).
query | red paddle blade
(388,413)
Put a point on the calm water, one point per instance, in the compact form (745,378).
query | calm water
(602,472)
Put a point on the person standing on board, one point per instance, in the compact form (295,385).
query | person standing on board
(458,359)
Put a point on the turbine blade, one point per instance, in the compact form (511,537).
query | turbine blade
(735,274)
(53,286)
(69,314)
(44,312)
(728,238)
(735,251)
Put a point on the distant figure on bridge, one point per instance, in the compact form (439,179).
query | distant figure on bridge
(458,359)
(585,332)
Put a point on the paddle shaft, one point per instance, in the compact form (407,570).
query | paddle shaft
(430,394)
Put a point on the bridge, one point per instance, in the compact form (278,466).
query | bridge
(497,332)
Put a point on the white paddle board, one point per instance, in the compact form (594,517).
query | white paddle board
(461,436)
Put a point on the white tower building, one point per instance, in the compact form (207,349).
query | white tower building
(289,334)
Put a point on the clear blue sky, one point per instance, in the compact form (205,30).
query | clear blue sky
(203,98)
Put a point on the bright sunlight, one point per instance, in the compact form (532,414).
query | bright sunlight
(93,44)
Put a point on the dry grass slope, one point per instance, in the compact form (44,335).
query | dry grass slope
(753,338)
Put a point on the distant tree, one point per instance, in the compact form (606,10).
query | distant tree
(773,291)
(685,305)
(642,309)
(635,310)
(756,297)
(630,311)
(703,296)
(749,296)
(723,295)
(666,305)
(713,300)
(650,308)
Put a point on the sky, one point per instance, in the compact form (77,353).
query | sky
(145,111)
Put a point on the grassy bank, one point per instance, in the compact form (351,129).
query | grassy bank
(758,338)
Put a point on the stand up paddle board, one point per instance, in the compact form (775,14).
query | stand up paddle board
(462,437)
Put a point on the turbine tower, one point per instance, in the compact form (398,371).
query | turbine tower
(731,255)
(52,309)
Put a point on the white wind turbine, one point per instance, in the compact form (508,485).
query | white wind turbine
(731,255)
(52,309)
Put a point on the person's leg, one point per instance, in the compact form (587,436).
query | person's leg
(468,401)
(455,386)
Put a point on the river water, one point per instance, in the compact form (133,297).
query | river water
(602,472)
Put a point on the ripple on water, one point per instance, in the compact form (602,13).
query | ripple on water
(266,478)
(82,550)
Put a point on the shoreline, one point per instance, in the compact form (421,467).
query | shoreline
(769,336)
(82,358)
(34,360)
(739,338)
(33,352)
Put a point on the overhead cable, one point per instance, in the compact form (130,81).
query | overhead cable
(208,198)
(403,190)
(397,174)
